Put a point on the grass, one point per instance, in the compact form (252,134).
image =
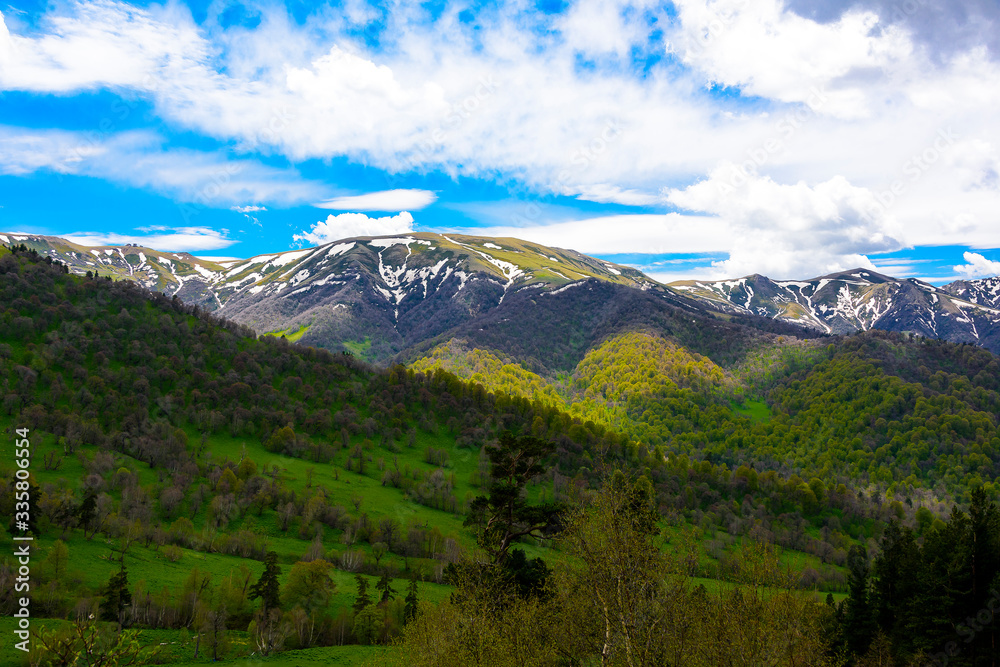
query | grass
(289,335)
(358,348)
(176,647)
(755,410)
(92,562)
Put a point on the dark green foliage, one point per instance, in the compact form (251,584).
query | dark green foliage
(859,617)
(938,599)
(363,599)
(505,515)
(117,597)
(527,576)
(266,587)
(412,601)
(384,588)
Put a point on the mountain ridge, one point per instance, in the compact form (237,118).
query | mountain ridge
(383,297)
(861,299)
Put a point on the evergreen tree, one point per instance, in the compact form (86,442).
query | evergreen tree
(266,587)
(895,575)
(859,619)
(384,587)
(505,516)
(412,601)
(87,512)
(117,598)
(362,600)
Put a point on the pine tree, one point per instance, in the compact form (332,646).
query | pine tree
(859,617)
(266,587)
(384,587)
(410,610)
(116,598)
(86,512)
(363,600)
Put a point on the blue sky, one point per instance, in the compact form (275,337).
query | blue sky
(691,139)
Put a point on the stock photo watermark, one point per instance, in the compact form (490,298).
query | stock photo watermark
(912,170)
(22,539)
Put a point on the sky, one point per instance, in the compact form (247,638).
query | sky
(694,139)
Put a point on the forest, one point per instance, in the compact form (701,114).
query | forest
(199,493)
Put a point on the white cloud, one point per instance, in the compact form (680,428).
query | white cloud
(977,267)
(791,231)
(511,98)
(138,159)
(605,193)
(179,239)
(249,209)
(349,225)
(386,200)
(640,233)
(768,51)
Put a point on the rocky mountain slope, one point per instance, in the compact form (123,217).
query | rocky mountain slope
(859,300)
(384,298)
(374,296)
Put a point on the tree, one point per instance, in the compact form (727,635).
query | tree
(859,617)
(117,598)
(101,646)
(624,572)
(384,587)
(57,560)
(213,626)
(362,600)
(505,515)
(378,551)
(266,587)
(269,631)
(309,586)
(368,625)
(412,601)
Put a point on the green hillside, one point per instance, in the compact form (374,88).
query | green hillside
(172,452)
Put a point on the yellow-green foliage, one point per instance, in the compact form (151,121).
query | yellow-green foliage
(624,368)
(486,368)
(643,363)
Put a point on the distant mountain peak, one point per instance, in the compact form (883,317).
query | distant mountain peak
(861,299)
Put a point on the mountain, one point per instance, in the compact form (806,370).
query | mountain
(859,300)
(394,298)
(382,297)
(985,292)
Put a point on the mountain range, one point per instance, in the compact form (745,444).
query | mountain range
(395,298)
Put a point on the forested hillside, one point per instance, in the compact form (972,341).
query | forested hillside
(238,494)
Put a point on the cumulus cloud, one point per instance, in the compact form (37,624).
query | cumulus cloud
(349,225)
(553,103)
(386,200)
(769,51)
(179,239)
(977,267)
(791,231)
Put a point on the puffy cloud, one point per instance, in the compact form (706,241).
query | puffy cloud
(791,231)
(179,239)
(553,103)
(386,200)
(977,267)
(349,225)
(771,52)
